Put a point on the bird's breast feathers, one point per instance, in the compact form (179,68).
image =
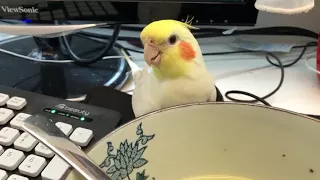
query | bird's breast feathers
(185,90)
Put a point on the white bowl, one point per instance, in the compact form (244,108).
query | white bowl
(212,141)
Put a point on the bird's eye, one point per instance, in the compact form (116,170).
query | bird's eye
(173,39)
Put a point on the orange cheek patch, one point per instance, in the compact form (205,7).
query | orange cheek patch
(186,51)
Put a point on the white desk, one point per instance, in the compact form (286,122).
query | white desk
(300,91)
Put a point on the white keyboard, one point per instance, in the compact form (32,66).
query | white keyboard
(22,157)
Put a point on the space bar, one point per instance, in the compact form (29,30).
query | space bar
(56,169)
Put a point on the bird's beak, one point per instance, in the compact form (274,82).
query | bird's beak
(152,54)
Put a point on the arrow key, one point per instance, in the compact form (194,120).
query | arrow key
(32,165)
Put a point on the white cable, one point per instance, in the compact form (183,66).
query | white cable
(78,99)
(33,59)
(49,61)
(308,66)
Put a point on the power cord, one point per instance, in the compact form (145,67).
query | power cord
(98,57)
(297,59)
(48,61)
(256,98)
(279,65)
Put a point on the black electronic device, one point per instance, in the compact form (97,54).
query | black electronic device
(203,12)
(72,118)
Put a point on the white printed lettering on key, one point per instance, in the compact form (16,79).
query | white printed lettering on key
(11,159)
(17,121)
(17,177)
(65,128)
(25,142)
(81,136)
(5,115)
(3,175)
(44,151)
(8,136)
(32,165)
(16,103)
(3,99)
(56,169)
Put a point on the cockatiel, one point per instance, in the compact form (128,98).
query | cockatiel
(178,73)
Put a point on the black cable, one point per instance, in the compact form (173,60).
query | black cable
(297,59)
(205,32)
(274,31)
(103,36)
(217,32)
(279,65)
(256,98)
(99,56)
(310,44)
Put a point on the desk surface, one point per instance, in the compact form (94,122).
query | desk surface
(300,91)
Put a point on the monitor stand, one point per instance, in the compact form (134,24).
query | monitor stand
(63,80)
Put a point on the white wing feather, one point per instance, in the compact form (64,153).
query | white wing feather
(143,98)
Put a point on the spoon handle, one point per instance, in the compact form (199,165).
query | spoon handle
(43,129)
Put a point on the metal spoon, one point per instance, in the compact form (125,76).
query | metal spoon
(43,129)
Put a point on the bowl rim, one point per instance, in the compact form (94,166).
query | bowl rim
(137,119)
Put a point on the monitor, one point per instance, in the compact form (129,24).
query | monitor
(88,49)
(204,12)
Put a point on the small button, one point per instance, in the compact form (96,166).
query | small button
(3,175)
(25,142)
(56,169)
(32,165)
(1,151)
(3,99)
(5,115)
(8,136)
(17,121)
(11,159)
(65,128)
(17,177)
(16,103)
(81,136)
(44,151)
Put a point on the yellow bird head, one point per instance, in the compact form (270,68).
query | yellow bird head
(170,48)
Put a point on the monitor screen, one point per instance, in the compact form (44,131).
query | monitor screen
(203,12)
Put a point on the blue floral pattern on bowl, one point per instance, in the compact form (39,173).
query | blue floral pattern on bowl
(120,164)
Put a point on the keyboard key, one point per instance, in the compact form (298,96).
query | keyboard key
(3,99)
(81,136)
(16,103)
(5,115)
(25,142)
(3,175)
(11,159)
(8,136)
(65,128)
(56,169)
(32,165)
(17,177)
(1,151)
(44,151)
(17,121)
